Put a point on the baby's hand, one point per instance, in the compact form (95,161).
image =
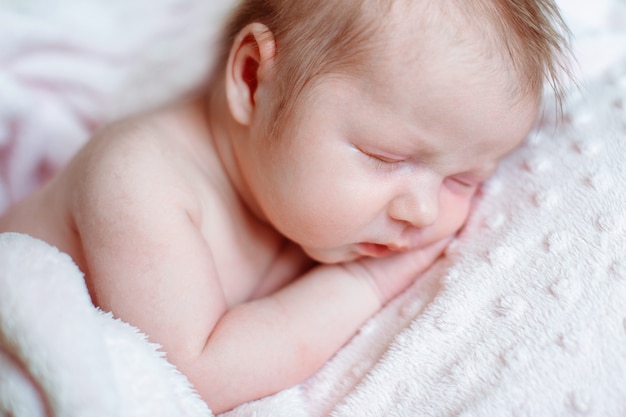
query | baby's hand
(392,274)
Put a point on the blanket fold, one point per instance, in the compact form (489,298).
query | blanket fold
(44,309)
(60,356)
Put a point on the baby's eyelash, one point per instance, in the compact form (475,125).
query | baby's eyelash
(381,160)
(460,185)
(464,183)
(384,159)
(384,163)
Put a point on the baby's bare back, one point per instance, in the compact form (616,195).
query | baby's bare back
(45,215)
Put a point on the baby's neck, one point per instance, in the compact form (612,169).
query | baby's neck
(225,132)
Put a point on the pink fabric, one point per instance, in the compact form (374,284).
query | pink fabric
(65,70)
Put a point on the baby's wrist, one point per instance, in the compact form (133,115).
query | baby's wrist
(364,274)
(376,288)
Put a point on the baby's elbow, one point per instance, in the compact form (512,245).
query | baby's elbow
(226,387)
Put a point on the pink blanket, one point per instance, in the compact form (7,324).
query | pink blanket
(68,68)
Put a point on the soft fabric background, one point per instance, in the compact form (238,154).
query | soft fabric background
(68,66)
(525,316)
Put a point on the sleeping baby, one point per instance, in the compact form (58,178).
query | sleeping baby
(251,230)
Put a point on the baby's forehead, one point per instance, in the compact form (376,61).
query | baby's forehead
(422,22)
(453,33)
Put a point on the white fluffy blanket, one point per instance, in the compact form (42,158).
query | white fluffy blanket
(526,315)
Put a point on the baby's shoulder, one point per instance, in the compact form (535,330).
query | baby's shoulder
(132,144)
(134,162)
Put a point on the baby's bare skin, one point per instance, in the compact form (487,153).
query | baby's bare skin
(147,213)
(182,220)
(179,168)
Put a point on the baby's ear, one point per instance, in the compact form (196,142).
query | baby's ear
(249,64)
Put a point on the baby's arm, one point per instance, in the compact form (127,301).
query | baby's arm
(263,346)
(151,266)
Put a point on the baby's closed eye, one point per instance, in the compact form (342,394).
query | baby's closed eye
(382,160)
(462,185)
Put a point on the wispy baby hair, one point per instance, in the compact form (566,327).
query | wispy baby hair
(533,39)
(317,37)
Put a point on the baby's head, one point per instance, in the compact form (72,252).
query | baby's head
(522,39)
(372,123)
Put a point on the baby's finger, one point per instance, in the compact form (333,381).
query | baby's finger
(393,274)
(421,259)
(433,251)
(408,264)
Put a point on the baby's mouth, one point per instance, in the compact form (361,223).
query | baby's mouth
(377,250)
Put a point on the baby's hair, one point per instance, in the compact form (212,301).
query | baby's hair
(312,37)
(534,38)
(319,37)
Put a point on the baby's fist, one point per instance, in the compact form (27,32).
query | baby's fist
(393,274)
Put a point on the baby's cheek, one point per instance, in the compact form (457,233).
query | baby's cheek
(455,211)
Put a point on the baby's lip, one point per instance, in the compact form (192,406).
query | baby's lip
(398,247)
(375,250)
(379,250)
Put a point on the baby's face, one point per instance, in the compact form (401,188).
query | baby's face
(390,161)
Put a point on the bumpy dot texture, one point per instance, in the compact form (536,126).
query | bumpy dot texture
(530,318)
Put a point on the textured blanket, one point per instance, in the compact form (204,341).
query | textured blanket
(524,316)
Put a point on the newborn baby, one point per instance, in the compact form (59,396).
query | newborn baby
(252,230)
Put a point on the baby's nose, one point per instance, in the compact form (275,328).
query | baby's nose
(419,208)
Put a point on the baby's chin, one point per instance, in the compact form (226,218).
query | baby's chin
(331,256)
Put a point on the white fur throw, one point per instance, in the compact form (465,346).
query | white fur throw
(526,315)
(59,356)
